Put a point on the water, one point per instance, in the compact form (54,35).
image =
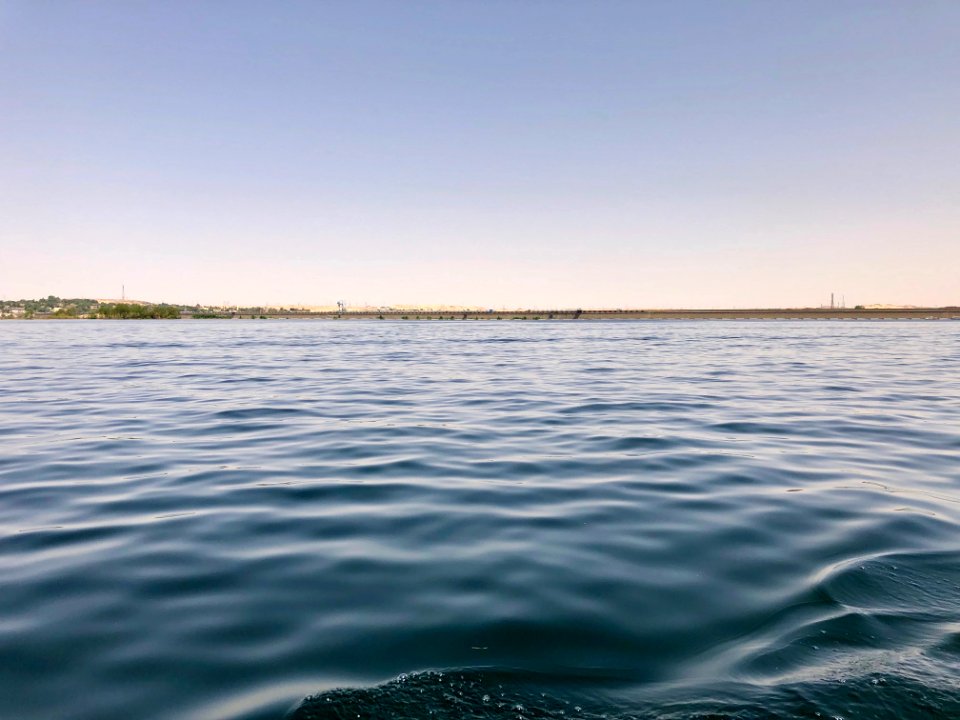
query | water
(544,520)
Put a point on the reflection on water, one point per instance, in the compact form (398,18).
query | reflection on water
(203,520)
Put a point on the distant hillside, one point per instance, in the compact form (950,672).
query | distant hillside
(107,301)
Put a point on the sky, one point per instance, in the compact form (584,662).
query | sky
(538,153)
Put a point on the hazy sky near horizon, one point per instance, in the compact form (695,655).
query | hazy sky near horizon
(536,154)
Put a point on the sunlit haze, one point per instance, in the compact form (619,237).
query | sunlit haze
(519,154)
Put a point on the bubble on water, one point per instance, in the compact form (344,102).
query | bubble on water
(422,696)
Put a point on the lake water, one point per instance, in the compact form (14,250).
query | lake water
(206,519)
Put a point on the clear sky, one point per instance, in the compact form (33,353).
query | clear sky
(528,153)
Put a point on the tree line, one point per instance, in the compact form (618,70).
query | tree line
(128,311)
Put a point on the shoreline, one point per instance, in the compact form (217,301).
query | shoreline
(943,313)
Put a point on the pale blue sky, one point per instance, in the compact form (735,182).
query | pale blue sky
(644,154)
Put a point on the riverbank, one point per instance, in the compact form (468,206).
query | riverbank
(945,313)
(951,313)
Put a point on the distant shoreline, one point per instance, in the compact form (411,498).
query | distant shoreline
(952,313)
(943,313)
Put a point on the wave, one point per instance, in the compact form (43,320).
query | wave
(476,694)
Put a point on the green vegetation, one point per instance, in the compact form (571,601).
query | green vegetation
(50,305)
(129,311)
(71,308)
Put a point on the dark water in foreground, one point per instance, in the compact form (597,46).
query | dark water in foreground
(538,520)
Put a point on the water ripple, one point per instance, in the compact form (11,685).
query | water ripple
(554,520)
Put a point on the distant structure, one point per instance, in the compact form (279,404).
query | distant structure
(833,302)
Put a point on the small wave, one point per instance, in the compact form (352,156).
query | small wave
(254,413)
(492,695)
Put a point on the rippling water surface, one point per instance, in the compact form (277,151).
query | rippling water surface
(479,519)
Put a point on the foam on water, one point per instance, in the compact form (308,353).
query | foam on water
(492,695)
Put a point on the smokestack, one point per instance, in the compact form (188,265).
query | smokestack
(831,301)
